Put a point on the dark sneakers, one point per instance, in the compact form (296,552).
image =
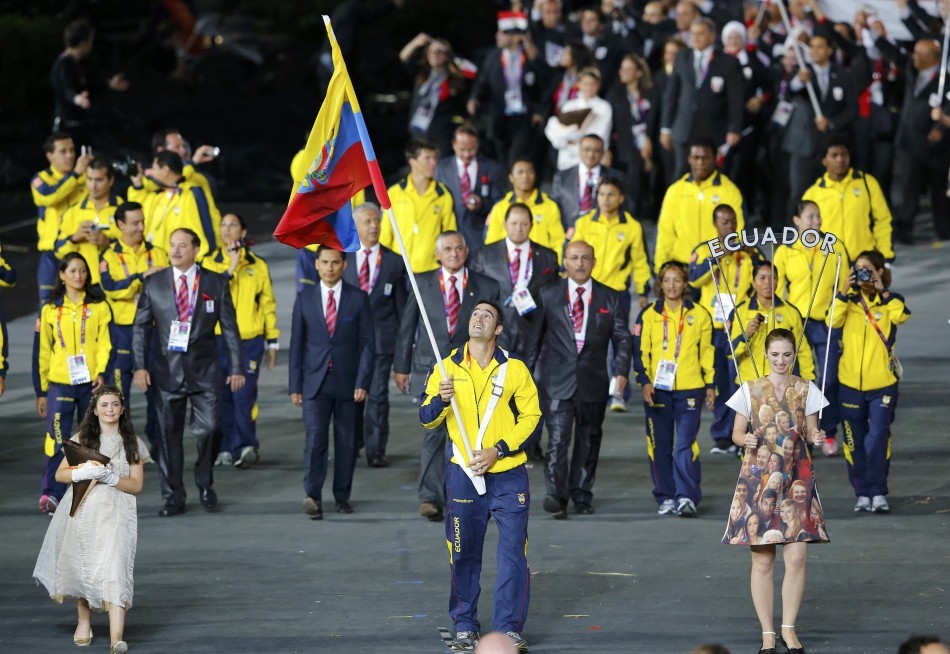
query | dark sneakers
(555,507)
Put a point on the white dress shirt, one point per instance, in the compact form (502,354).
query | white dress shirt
(525,256)
(459,285)
(572,287)
(189,276)
(583,173)
(324,295)
(470,169)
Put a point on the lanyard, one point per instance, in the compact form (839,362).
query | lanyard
(125,268)
(194,296)
(867,312)
(636,106)
(735,284)
(82,328)
(512,81)
(679,336)
(442,288)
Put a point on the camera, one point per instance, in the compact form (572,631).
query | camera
(129,167)
(862,274)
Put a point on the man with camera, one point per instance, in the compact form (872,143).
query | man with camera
(171,140)
(88,226)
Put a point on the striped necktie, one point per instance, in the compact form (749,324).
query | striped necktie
(577,317)
(364,271)
(331,313)
(515,267)
(454,306)
(182,299)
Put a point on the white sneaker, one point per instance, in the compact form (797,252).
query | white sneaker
(879,504)
(863,504)
(668,507)
(248,456)
(617,404)
(685,508)
(224,459)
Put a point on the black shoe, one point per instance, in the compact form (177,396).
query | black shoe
(770,650)
(344,507)
(169,510)
(552,504)
(584,508)
(313,508)
(791,650)
(378,461)
(209,499)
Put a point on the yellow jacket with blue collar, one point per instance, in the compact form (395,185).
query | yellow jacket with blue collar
(737,268)
(251,291)
(53,192)
(686,217)
(103,219)
(783,315)
(695,361)
(186,205)
(421,218)
(546,226)
(120,270)
(473,388)
(61,323)
(619,248)
(864,363)
(798,269)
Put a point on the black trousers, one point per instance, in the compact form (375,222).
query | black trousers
(373,421)
(585,421)
(912,175)
(317,414)
(170,409)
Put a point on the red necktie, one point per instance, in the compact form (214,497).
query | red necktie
(587,197)
(577,316)
(182,299)
(454,305)
(465,183)
(515,267)
(331,313)
(364,271)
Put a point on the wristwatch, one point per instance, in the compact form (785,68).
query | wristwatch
(500,452)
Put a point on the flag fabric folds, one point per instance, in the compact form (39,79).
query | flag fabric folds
(332,170)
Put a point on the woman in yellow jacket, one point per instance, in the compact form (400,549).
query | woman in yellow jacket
(868,315)
(673,360)
(72,353)
(253,297)
(751,321)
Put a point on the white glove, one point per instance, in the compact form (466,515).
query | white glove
(87,471)
(107,477)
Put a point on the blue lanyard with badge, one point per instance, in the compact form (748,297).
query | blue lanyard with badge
(76,364)
(520,296)
(181,329)
(666,370)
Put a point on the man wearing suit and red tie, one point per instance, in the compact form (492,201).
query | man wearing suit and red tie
(704,96)
(577,318)
(332,347)
(379,272)
(183,304)
(447,293)
(522,268)
(476,183)
(575,188)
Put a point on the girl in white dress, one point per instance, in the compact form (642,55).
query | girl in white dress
(90,557)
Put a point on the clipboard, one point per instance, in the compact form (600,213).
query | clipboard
(76,455)
(576,117)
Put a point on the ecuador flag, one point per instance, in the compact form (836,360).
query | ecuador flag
(331,171)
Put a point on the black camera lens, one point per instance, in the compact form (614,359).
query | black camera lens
(863,274)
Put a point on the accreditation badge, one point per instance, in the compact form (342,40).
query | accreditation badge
(665,375)
(523,301)
(178,336)
(78,370)
(722,305)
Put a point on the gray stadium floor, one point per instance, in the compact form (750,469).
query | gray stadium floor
(260,577)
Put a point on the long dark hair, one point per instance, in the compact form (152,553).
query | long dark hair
(90,433)
(877,260)
(456,78)
(93,294)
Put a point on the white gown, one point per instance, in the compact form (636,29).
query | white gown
(91,555)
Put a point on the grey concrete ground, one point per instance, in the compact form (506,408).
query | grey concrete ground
(260,577)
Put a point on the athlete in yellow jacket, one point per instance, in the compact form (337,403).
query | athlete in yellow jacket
(482,379)
(547,228)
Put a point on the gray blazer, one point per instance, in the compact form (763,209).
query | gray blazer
(198,367)
(566,192)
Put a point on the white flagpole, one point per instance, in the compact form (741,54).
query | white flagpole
(831,321)
(798,57)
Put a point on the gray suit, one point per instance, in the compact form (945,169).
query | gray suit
(182,376)
(419,360)
(490,187)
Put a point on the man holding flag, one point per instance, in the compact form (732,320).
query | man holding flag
(487,380)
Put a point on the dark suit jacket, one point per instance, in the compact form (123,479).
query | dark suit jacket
(566,192)
(567,373)
(351,348)
(198,367)
(413,350)
(490,86)
(490,187)
(493,262)
(388,306)
(801,136)
(692,112)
